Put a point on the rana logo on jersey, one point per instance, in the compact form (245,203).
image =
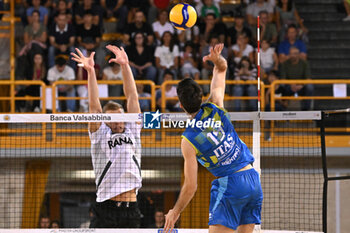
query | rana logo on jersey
(151,120)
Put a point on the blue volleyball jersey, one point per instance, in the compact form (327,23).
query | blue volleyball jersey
(219,149)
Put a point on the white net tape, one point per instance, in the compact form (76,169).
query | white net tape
(130,231)
(132,117)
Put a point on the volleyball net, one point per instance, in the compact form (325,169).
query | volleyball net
(48,167)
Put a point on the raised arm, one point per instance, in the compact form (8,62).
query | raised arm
(189,187)
(217,86)
(94,101)
(129,85)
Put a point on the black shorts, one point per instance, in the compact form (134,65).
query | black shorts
(115,214)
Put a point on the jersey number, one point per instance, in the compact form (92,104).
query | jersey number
(216,137)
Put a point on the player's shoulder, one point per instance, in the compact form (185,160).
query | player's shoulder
(213,106)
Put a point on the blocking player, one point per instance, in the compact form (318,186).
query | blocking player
(236,195)
(115,150)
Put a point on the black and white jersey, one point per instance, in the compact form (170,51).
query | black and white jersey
(116,159)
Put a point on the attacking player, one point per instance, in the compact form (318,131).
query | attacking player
(236,196)
(115,150)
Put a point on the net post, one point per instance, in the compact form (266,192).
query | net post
(325,174)
(256,153)
(256,143)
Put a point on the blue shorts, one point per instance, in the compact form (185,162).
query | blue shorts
(236,200)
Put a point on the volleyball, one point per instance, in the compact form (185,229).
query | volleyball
(183,16)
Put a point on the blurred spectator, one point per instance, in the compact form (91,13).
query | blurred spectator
(170,91)
(154,7)
(280,105)
(44,222)
(55,224)
(44,12)
(88,34)
(212,26)
(242,48)
(296,68)
(55,4)
(159,219)
(245,71)
(113,72)
(82,90)
(268,58)
(253,10)
(61,71)
(62,38)
(209,7)
(162,25)
(188,61)
(268,30)
(35,35)
(286,15)
(36,71)
(145,104)
(61,7)
(140,25)
(141,58)
(134,6)
(190,34)
(167,56)
(200,3)
(238,27)
(152,12)
(284,46)
(207,67)
(117,9)
(347,8)
(93,9)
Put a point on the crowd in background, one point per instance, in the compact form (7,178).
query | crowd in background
(159,52)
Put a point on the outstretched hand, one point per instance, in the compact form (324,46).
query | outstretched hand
(87,62)
(170,220)
(120,55)
(215,57)
(215,53)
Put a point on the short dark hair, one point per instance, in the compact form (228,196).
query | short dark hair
(55,221)
(60,61)
(213,36)
(264,12)
(44,216)
(88,12)
(190,95)
(244,58)
(62,14)
(292,26)
(274,72)
(211,14)
(168,72)
(158,210)
(36,11)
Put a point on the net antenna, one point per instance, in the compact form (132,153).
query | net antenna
(258,62)
(256,122)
